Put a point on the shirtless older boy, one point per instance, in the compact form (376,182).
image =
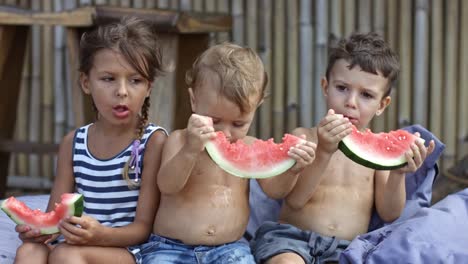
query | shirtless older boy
(204,210)
(333,198)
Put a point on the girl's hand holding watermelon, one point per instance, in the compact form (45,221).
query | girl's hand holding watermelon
(83,230)
(28,234)
(331,130)
(199,131)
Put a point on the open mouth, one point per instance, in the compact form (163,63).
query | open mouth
(121,111)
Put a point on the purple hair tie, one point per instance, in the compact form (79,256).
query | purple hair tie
(135,158)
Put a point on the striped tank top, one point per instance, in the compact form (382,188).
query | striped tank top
(107,196)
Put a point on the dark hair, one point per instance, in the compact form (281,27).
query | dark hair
(239,69)
(370,52)
(136,40)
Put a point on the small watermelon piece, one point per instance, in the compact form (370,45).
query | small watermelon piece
(379,151)
(261,159)
(47,223)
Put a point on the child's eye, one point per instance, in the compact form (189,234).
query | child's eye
(107,79)
(136,81)
(341,87)
(367,95)
(236,124)
(215,121)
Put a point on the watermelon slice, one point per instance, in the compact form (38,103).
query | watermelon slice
(380,151)
(47,223)
(261,159)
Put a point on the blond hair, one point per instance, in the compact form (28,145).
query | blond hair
(239,69)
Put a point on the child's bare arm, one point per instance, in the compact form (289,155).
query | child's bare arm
(278,187)
(182,151)
(332,128)
(390,193)
(91,232)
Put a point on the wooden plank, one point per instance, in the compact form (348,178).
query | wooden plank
(165,20)
(349,17)
(420,62)
(190,47)
(436,68)
(405,44)
(30,183)
(336,18)
(450,83)
(163,94)
(378,25)
(292,60)
(237,13)
(151,4)
(222,7)
(13,47)
(278,68)
(320,56)
(391,114)
(251,41)
(462,134)
(265,52)
(364,15)
(305,64)
(14,146)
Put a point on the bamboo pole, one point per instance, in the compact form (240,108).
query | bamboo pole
(378,25)
(336,18)
(320,51)
(251,42)
(98,2)
(150,4)
(222,6)
(292,82)
(237,13)
(391,113)
(265,52)
(349,17)
(174,4)
(421,47)
(197,5)
(185,5)
(450,83)
(35,94)
(436,66)
(404,95)
(278,68)
(463,91)
(163,4)
(69,81)
(138,4)
(83,2)
(305,62)
(47,106)
(124,3)
(364,15)
(114,2)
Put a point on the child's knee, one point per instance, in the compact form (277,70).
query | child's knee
(32,251)
(63,253)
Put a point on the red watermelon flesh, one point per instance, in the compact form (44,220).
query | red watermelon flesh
(381,151)
(261,159)
(47,223)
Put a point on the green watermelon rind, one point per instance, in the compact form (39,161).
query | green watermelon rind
(75,208)
(397,163)
(230,168)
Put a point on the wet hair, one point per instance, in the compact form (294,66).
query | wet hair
(240,71)
(137,41)
(370,52)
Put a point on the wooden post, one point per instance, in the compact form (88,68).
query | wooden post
(436,64)
(404,89)
(13,47)
(391,113)
(349,17)
(463,91)
(320,51)
(292,87)
(265,52)
(278,81)
(378,25)
(305,64)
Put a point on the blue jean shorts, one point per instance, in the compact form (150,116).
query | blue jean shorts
(160,249)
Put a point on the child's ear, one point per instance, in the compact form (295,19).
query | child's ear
(324,85)
(192,99)
(383,104)
(84,83)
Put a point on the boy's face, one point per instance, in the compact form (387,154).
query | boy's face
(206,100)
(356,94)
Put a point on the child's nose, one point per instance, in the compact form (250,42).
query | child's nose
(351,100)
(122,90)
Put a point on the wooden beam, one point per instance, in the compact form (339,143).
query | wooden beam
(12,146)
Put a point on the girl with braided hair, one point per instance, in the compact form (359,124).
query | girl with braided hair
(114,161)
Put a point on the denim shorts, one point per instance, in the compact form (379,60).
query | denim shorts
(160,249)
(274,238)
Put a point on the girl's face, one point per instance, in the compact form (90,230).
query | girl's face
(226,115)
(356,94)
(117,89)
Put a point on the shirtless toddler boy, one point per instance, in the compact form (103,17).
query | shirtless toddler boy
(204,210)
(333,198)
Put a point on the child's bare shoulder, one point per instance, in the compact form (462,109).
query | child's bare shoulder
(310,133)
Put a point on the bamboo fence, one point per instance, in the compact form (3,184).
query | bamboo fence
(430,36)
